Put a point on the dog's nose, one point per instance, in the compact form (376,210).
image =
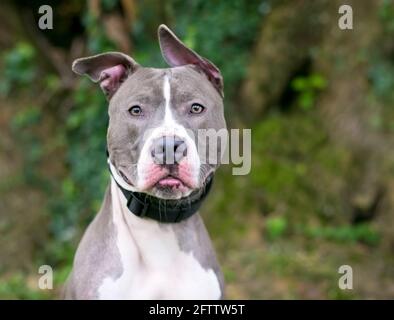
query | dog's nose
(168,150)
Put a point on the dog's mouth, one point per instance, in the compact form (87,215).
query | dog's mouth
(168,186)
(124,177)
(170,182)
(164,182)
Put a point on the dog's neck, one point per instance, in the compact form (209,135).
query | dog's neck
(151,237)
(120,211)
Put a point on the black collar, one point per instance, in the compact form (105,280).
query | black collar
(166,211)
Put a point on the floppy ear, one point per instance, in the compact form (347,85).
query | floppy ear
(175,53)
(110,69)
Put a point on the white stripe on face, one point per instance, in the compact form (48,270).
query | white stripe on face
(168,119)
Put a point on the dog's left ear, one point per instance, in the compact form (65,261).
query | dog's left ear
(175,53)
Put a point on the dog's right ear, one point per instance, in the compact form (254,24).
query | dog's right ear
(110,69)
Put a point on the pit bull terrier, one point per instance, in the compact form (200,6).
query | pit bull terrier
(148,240)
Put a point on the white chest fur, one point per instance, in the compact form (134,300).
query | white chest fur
(154,266)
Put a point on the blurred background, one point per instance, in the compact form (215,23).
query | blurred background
(319,101)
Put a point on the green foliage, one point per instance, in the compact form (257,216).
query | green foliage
(335,293)
(97,40)
(15,287)
(275,227)
(26,118)
(386,14)
(23,125)
(83,188)
(381,75)
(348,234)
(225,44)
(307,89)
(19,68)
(288,152)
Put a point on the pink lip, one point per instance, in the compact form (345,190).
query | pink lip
(170,182)
(161,177)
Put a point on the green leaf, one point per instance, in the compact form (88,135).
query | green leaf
(275,227)
(317,81)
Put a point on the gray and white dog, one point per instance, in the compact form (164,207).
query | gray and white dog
(128,252)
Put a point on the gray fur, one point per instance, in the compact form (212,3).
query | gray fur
(193,80)
(97,256)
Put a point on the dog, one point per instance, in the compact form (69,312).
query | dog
(148,240)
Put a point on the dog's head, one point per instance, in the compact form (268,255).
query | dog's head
(157,115)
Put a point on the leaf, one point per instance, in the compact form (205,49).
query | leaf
(299,84)
(275,227)
(317,81)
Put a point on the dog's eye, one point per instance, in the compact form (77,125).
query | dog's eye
(135,111)
(196,108)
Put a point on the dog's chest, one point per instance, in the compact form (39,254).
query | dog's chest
(154,267)
(184,279)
